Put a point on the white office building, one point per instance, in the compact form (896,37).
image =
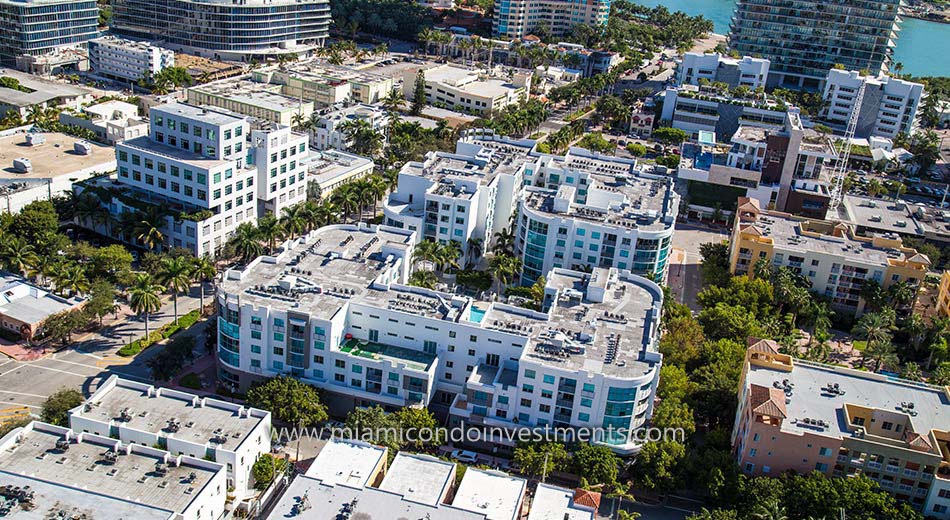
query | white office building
(579,209)
(467,90)
(127,60)
(713,67)
(208,171)
(334,310)
(889,105)
(183,424)
(54,472)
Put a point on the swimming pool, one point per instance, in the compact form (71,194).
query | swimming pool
(476,315)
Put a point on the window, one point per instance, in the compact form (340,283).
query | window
(526,403)
(529,374)
(549,379)
(528,389)
(278,351)
(471,352)
(586,403)
(339,363)
(583,417)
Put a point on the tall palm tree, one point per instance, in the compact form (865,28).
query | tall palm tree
(394,100)
(245,242)
(448,255)
(148,227)
(504,268)
(294,220)
(71,281)
(144,296)
(504,242)
(348,200)
(269,229)
(18,254)
(474,248)
(175,273)
(202,271)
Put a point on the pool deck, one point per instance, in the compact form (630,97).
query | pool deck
(369,350)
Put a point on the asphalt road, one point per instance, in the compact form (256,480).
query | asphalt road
(85,364)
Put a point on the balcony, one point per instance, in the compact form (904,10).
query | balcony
(887,484)
(911,473)
(842,458)
(875,465)
(892,469)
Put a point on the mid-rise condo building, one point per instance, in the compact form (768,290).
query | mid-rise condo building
(735,72)
(829,255)
(520,18)
(207,172)
(331,123)
(888,107)
(803,39)
(38,27)
(334,309)
(225,30)
(327,84)
(798,416)
(574,211)
(128,60)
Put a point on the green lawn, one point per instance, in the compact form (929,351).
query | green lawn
(860,344)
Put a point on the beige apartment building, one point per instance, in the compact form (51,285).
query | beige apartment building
(468,90)
(801,416)
(835,260)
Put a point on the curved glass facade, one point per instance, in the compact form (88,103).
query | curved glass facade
(231,28)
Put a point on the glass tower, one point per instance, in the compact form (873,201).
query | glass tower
(40,26)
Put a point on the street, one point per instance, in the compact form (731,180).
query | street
(87,362)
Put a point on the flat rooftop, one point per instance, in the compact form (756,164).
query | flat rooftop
(42,90)
(468,80)
(321,70)
(206,114)
(878,215)
(809,400)
(54,158)
(554,503)
(328,502)
(328,165)
(150,409)
(145,144)
(419,478)
(28,303)
(787,235)
(346,462)
(252,93)
(495,494)
(79,478)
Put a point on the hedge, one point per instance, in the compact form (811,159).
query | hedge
(163,332)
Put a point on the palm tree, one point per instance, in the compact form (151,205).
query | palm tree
(883,354)
(36,115)
(504,268)
(175,273)
(427,252)
(324,214)
(202,271)
(148,227)
(377,187)
(873,327)
(425,37)
(504,242)
(347,199)
(269,229)
(770,511)
(474,249)
(144,296)
(294,220)
(448,255)
(18,254)
(393,101)
(245,242)
(71,281)
(297,120)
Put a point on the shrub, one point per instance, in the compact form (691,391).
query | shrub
(190,380)
(164,332)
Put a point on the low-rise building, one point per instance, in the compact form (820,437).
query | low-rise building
(128,60)
(554,503)
(331,124)
(334,310)
(467,90)
(112,121)
(350,478)
(250,98)
(57,472)
(834,260)
(230,434)
(799,416)
(888,108)
(24,306)
(714,67)
(330,169)
(641,120)
(63,60)
(40,166)
(36,91)
(326,84)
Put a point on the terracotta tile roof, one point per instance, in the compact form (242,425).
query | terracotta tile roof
(587,498)
(767,401)
(766,346)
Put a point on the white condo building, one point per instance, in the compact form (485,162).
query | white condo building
(127,60)
(330,130)
(467,90)
(746,71)
(889,105)
(579,209)
(334,310)
(208,171)
(183,424)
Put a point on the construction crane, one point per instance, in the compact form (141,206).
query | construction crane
(841,169)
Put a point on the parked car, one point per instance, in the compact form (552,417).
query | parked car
(468,457)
